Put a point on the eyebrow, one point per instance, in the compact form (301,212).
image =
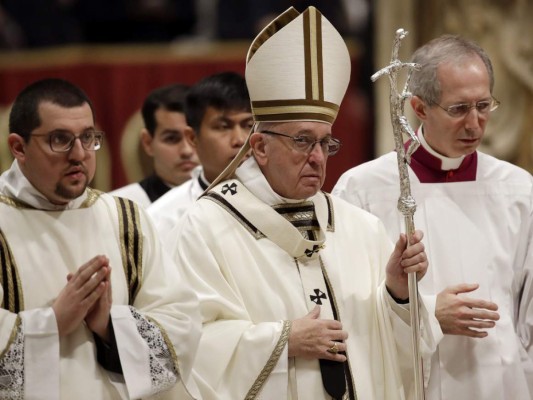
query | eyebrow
(171,131)
(470,102)
(59,130)
(308,132)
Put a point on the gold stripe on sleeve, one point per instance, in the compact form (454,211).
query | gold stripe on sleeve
(13,300)
(131,244)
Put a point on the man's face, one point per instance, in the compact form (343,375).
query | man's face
(60,177)
(222,134)
(174,157)
(460,83)
(291,173)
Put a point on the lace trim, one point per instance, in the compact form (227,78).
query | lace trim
(162,369)
(12,366)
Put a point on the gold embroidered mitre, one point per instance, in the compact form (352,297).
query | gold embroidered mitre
(297,69)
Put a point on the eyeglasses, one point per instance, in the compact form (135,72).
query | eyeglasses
(305,144)
(461,110)
(62,141)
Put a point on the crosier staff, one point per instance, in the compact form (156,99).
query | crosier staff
(406,203)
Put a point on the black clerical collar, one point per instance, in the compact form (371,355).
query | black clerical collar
(154,187)
(203,183)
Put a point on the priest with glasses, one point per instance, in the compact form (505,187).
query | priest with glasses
(91,306)
(477,214)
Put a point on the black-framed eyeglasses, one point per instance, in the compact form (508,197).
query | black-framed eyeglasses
(462,109)
(305,144)
(63,141)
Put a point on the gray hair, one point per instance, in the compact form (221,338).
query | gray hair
(451,49)
(265,126)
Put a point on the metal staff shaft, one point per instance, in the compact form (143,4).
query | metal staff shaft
(406,203)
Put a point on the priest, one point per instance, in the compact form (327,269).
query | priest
(477,212)
(92,308)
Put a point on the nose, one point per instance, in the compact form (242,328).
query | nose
(238,136)
(317,154)
(77,152)
(472,119)
(186,150)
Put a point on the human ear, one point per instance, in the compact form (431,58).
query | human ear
(190,136)
(17,146)
(419,107)
(258,145)
(146,140)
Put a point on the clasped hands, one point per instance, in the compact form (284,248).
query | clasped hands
(86,297)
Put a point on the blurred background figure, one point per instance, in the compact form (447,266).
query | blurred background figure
(219,116)
(163,139)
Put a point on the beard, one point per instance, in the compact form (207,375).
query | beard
(72,191)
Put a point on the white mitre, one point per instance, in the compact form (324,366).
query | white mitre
(297,69)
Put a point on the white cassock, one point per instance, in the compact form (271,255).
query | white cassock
(135,192)
(254,272)
(144,192)
(474,232)
(154,315)
(169,208)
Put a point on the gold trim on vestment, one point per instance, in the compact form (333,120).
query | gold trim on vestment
(294,110)
(312,33)
(280,22)
(13,202)
(12,336)
(331,212)
(92,196)
(271,363)
(131,245)
(216,198)
(302,216)
(13,299)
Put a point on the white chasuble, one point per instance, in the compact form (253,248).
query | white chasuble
(254,273)
(155,325)
(304,251)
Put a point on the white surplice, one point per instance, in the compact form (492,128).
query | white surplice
(156,325)
(254,273)
(475,232)
(169,208)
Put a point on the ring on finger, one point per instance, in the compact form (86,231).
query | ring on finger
(333,349)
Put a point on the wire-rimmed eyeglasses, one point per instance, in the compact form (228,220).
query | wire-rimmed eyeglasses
(63,141)
(462,109)
(305,144)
